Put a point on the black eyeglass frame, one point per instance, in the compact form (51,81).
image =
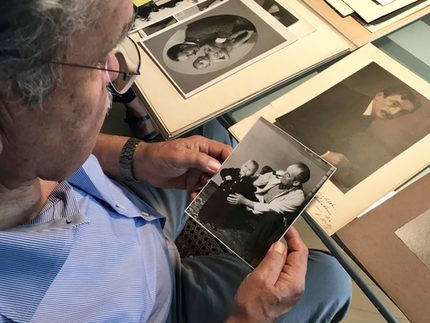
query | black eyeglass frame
(127,75)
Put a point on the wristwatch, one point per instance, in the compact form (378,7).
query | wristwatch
(126,159)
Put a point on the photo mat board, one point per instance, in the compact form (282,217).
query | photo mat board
(272,185)
(370,10)
(251,38)
(151,15)
(374,242)
(406,152)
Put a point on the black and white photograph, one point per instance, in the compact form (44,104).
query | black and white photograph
(279,12)
(156,11)
(159,25)
(152,13)
(260,191)
(215,44)
(361,123)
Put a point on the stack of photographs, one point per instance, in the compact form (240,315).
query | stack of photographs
(372,13)
(201,59)
(210,40)
(261,189)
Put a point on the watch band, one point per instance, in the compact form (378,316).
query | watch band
(126,159)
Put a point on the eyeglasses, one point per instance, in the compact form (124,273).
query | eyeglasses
(128,56)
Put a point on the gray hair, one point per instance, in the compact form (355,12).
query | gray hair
(32,34)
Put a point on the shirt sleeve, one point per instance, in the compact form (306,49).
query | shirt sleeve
(282,204)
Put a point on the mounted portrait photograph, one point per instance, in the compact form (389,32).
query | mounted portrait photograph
(154,12)
(260,191)
(361,123)
(202,50)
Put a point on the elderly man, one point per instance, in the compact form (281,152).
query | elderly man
(77,245)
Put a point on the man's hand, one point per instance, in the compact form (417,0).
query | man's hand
(275,285)
(181,163)
(337,159)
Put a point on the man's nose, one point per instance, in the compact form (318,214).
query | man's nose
(393,110)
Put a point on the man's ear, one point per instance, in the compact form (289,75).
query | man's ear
(296,183)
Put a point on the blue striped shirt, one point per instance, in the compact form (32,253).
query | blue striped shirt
(95,253)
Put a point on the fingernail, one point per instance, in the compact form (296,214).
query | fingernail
(279,247)
(214,165)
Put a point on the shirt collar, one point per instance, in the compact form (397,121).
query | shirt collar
(368,111)
(41,245)
(91,179)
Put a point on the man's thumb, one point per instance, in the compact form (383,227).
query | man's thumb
(273,263)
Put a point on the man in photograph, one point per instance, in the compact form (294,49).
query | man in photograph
(213,30)
(279,196)
(335,125)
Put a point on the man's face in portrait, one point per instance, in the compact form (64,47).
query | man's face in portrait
(390,106)
(289,178)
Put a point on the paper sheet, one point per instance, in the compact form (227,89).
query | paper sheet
(370,10)
(341,7)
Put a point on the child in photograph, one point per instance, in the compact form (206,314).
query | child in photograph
(221,52)
(217,210)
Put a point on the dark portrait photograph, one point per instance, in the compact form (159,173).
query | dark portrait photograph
(260,191)
(361,123)
(152,13)
(277,11)
(197,52)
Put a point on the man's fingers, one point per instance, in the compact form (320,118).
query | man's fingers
(189,159)
(272,264)
(213,148)
(294,241)
(296,264)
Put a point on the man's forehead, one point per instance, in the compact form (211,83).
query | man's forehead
(293,169)
(111,26)
(125,28)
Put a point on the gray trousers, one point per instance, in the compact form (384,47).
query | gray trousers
(206,285)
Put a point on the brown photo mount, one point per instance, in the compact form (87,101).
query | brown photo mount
(389,262)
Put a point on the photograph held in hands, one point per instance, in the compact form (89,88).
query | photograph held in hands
(259,192)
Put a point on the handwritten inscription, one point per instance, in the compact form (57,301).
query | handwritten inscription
(322,209)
